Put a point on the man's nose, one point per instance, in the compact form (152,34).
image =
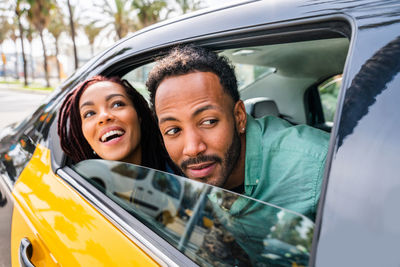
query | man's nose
(194,144)
(105,116)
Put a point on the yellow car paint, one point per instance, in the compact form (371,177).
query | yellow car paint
(64,229)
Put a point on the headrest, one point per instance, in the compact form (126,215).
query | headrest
(261,106)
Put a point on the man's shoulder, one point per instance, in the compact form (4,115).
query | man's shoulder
(278,134)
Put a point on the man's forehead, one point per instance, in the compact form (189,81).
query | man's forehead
(190,93)
(190,86)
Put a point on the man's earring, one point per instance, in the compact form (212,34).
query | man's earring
(94,152)
(243,129)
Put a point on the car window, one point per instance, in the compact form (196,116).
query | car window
(138,78)
(20,142)
(329,91)
(211,226)
(280,74)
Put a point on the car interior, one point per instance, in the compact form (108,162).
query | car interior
(297,81)
(279,77)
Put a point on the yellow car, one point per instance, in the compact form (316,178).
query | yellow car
(333,65)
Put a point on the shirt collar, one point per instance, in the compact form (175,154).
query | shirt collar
(253,151)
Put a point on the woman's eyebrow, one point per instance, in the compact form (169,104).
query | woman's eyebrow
(87,103)
(113,95)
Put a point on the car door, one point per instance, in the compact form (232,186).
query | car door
(46,223)
(17,146)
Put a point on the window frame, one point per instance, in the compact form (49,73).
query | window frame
(234,38)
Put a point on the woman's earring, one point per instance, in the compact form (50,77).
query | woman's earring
(94,152)
(243,129)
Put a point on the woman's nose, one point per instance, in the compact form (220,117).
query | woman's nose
(105,116)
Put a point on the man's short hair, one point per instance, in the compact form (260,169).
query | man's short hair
(188,59)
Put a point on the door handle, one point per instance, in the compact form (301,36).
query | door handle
(25,253)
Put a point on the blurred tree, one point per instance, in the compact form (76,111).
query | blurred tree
(73,33)
(14,37)
(56,28)
(19,12)
(120,13)
(91,33)
(29,36)
(4,32)
(189,5)
(39,16)
(149,11)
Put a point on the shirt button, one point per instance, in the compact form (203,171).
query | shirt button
(257,181)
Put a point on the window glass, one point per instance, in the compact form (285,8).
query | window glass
(329,91)
(138,78)
(273,79)
(211,226)
(247,74)
(20,142)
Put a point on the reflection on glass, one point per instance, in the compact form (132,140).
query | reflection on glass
(212,226)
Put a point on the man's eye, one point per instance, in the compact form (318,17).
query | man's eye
(172,131)
(209,122)
(88,114)
(118,104)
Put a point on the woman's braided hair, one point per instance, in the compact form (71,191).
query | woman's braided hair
(77,148)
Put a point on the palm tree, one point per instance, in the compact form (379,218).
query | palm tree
(39,16)
(149,11)
(189,5)
(73,33)
(29,36)
(19,12)
(56,28)
(121,14)
(4,31)
(14,37)
(91,33)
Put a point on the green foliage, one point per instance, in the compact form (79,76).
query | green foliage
(39,13)
(189,5)
(56,24)
(148,12)
(91,31)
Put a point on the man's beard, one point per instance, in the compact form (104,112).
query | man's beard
(228,163)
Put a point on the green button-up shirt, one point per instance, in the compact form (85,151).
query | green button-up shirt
(284,164)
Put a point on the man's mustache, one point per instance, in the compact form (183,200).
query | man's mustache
(200,159)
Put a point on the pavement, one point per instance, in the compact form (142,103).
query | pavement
(16,103)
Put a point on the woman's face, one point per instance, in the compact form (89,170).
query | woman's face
(110,123)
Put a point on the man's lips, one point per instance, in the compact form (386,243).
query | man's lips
(200,170)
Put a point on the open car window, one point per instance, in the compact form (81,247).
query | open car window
(210,225)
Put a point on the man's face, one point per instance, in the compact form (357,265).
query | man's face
(200,126)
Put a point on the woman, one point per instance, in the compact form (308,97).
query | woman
(107,118)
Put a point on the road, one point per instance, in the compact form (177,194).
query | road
(17,104)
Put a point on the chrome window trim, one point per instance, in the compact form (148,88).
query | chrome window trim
(152,250)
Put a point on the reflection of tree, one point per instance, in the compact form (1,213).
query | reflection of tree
(288,230)
(220,248)
(266,234)
(369,82)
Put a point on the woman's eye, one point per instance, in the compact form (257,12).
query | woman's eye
(88,114)
(172,131)
(118,104)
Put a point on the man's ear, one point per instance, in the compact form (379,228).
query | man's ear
(240,115)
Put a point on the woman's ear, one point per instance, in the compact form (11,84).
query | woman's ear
(239,112)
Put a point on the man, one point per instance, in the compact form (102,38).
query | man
(209,136)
